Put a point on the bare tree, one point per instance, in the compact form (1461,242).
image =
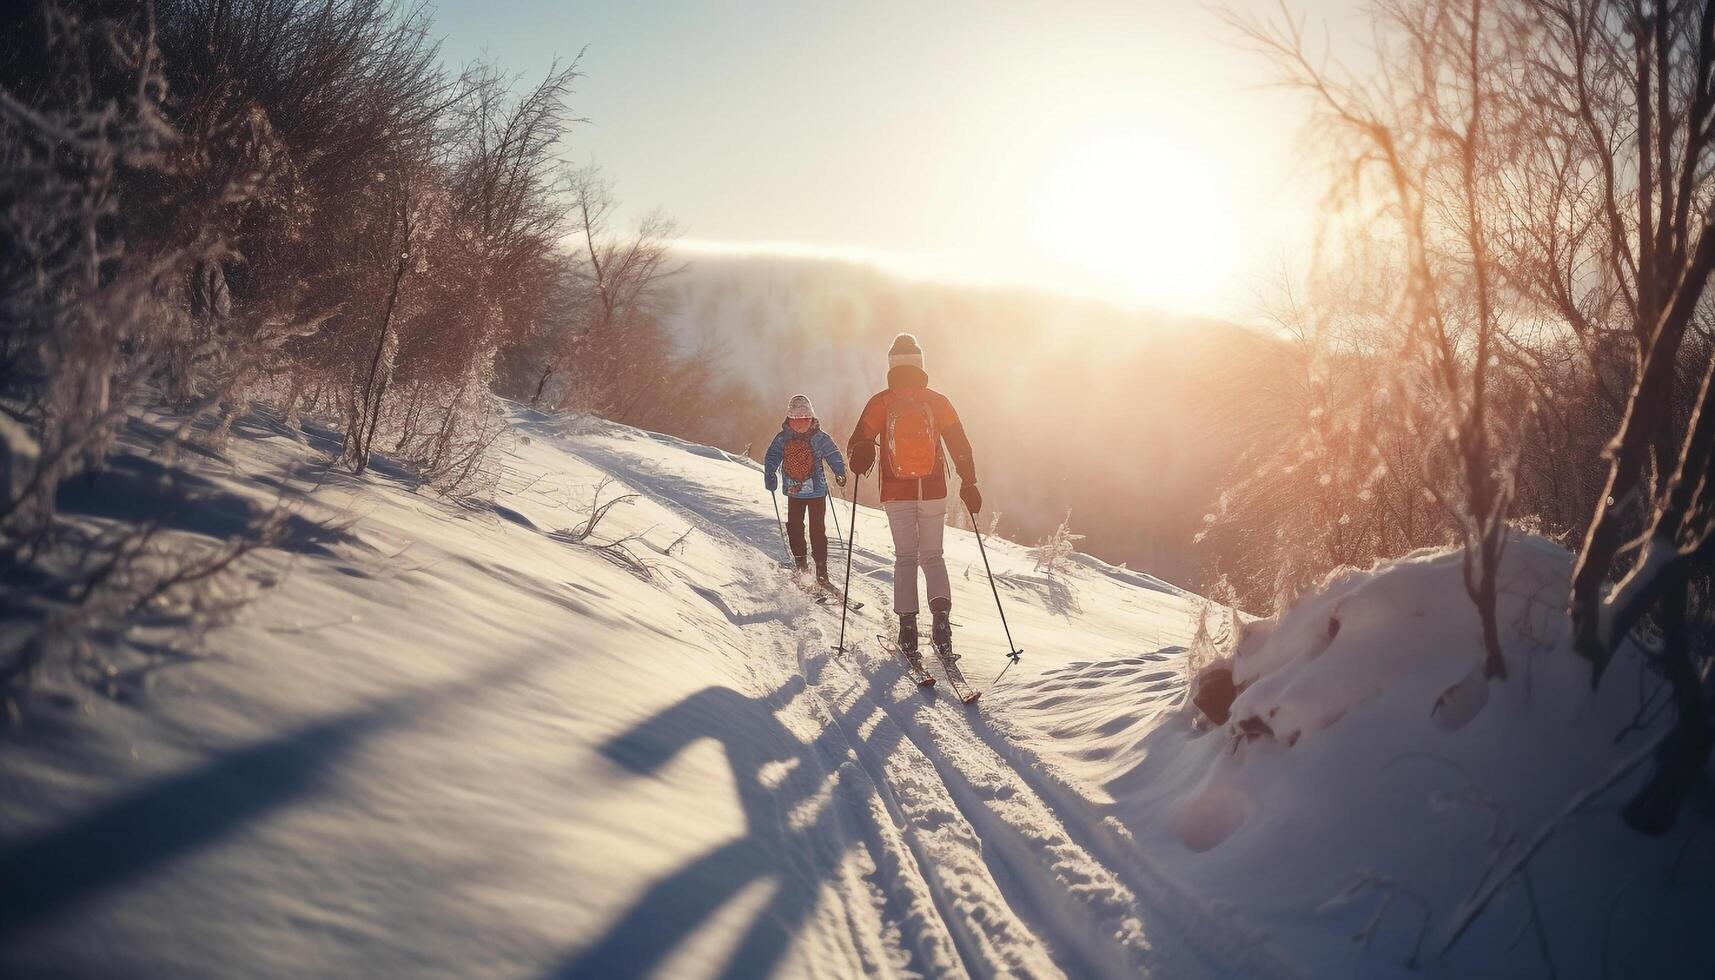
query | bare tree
(1548,173)
(347,90)
(1418,146)
(1641,80)
(1335,469)
(621,275)
(398,231)
(488,264)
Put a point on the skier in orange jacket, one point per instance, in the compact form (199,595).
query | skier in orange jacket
(912,423)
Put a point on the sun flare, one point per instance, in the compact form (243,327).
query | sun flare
(1141,215)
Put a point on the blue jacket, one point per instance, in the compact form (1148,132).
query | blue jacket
(820,444)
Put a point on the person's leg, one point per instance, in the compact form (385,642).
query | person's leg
(819,535)
(931,531)
(795,509)
(902,521)
(931,528)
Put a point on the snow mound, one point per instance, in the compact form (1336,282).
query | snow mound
(1369,771)
(1406,631)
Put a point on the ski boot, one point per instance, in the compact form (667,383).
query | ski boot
(908,640)
(941,633)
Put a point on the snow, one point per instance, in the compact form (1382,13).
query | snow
(451,742)
(1659,552)
(1375,752)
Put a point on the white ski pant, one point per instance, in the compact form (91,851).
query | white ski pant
(917,527)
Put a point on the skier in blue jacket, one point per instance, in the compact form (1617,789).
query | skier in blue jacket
(798,452)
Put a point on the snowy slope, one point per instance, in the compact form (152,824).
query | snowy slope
(453,743)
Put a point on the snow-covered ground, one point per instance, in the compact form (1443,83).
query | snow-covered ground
(452,742)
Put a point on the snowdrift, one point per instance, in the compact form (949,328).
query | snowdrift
(1370,780)
(478,738)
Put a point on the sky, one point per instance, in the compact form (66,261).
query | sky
(1126,149)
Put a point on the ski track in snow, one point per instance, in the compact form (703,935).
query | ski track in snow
(779,808)
(1003,876)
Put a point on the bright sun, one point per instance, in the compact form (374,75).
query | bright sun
(1147,218)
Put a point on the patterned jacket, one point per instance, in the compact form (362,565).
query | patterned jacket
(821,444)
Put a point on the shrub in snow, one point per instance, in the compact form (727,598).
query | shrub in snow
(1209,668)
(618,550)
(82,285)
(109,215)
(1053,552)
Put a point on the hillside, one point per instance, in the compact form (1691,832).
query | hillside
(1131,420)
(449,740)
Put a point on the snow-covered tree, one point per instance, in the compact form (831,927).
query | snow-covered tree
(1052,552)
(108,213)
(1534,178)
(1419,152)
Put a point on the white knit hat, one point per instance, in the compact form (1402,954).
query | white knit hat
(800,408)
(905,351)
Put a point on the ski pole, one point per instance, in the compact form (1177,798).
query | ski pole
(838,533)
(1012,650)
(780,525)
(846,591)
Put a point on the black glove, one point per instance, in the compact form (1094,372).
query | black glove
(972,497)
(863,457)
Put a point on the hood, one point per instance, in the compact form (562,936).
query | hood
(907,376)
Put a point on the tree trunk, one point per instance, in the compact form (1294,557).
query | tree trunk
(369,418)
(542,384)
(1685,753)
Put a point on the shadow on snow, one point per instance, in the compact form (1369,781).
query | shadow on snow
(795,854)
(48,874)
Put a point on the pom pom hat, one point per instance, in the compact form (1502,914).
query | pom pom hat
(905,352)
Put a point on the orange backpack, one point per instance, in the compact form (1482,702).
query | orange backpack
(913,445)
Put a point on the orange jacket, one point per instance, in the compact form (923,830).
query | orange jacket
(910,382)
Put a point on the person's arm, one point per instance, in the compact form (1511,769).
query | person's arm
(826,448)
(959,448)
(958,444)
(771,459)
(861,446)
(868,424)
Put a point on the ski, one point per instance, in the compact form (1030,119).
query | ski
(913,665)
(956,677)
(830,596)
(822,594)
